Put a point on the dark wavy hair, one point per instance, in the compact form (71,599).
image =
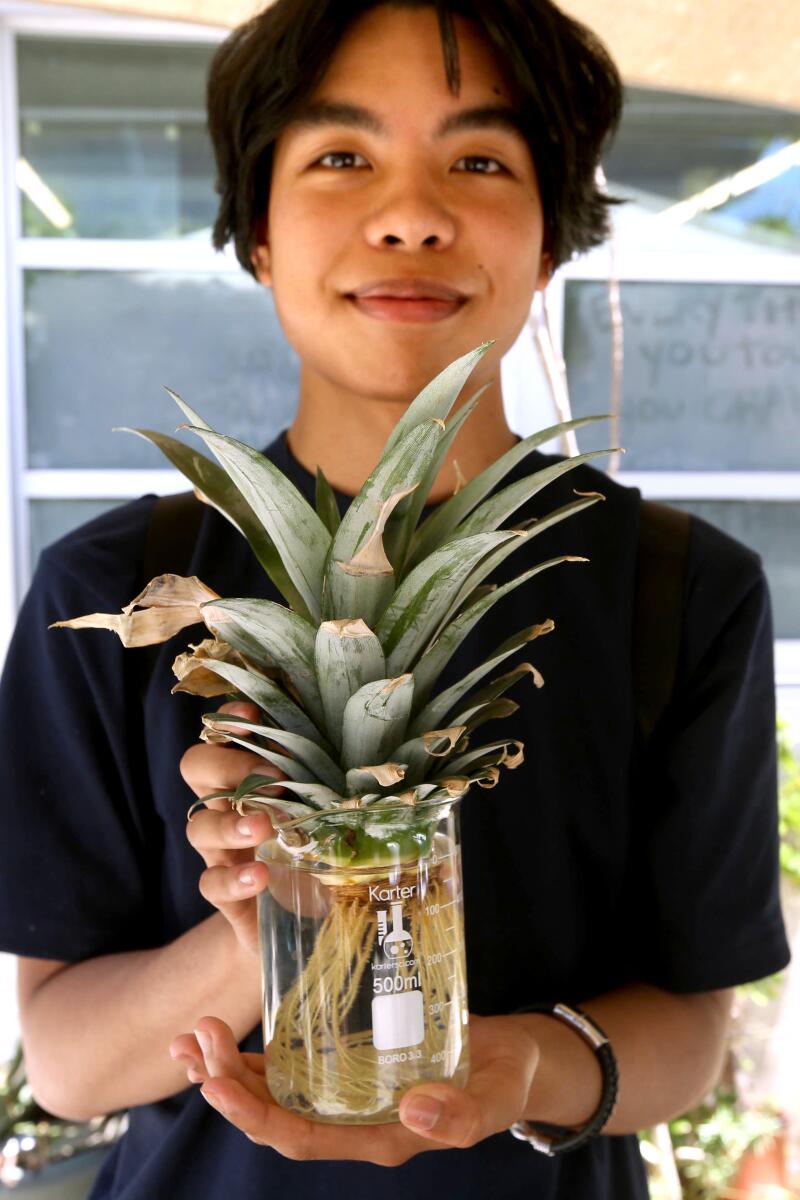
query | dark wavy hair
(564,84)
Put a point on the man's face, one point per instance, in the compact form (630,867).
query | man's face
(352,205)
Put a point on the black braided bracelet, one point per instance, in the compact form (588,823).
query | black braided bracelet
(556,1139)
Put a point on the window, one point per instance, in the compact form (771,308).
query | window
(707,254)
(112,285)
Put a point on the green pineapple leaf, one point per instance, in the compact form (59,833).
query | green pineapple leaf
(270,635)
(437,397)
(423,599)
(399,471)
(361,780)
(299,536)
(437,656)
(291,767)
(363,585)
(419,752)
(435,713)
(491,755)
(402,526)
(496,688)
(347,654)
(498,507)
(267,695)
(326,504)
(490,710)
(191,415)
(375,719)
(440,525)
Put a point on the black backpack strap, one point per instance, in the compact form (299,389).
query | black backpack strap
(169,544)
(657,611)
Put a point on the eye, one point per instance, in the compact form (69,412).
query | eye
(337,154)
(482,158)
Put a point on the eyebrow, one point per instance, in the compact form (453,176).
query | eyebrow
(335,112)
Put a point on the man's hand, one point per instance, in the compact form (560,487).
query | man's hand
(433,1116)
(226,841)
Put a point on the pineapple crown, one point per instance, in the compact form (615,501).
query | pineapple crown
(377,602)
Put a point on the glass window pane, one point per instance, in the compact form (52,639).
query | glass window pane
(113,139)
(711,374)
(51,519)
(672,145)
(100,344)
(772,529)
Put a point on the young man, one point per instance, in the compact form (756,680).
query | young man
(400,221)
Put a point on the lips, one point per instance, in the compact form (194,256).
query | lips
(409,289)
(409,301)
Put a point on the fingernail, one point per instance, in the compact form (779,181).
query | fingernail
(204,1041)
(246,877)
(422,1111)
(244,828)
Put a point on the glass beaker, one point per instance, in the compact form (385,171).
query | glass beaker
(363,964)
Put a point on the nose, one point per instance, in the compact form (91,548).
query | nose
(413,216)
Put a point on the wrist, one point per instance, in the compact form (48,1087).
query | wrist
(546,1134)
(568,1084)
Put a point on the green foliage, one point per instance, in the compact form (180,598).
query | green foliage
(789,806)
(710,1141)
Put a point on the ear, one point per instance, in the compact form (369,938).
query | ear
(545,271)
(260,258)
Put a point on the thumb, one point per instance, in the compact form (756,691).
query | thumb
(493,1099)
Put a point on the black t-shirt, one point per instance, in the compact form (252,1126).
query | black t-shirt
(594,864)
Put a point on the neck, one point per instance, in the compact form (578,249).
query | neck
(345,434)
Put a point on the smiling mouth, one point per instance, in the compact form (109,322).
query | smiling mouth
(413,309)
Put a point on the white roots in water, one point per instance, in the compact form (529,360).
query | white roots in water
(321,1068)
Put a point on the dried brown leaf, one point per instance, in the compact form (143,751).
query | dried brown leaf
(145,628)
(195,678)
(371,558)
(386,773)
(433,736)
(172,591)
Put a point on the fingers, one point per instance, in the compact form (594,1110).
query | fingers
(226,886)
(221,837)
(233,877)
(236,1087)
(186,1054)
(233,891)
(217,768)
(221,1057)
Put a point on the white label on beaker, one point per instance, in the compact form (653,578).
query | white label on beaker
(398,1020)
